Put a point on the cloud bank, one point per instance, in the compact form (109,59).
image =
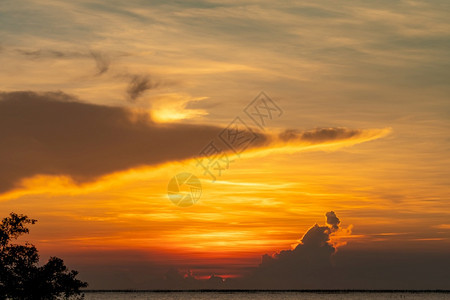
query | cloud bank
(57,134)
(303,267)
(306,266)
(315,264)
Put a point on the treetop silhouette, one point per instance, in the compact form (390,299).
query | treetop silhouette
(21,277)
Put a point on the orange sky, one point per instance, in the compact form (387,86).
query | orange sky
(378,69)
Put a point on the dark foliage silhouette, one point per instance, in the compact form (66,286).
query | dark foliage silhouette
(21,277)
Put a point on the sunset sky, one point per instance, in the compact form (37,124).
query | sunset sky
(102,103)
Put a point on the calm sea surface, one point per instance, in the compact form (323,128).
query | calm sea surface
(260,295)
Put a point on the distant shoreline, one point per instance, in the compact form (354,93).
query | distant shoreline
(269,291)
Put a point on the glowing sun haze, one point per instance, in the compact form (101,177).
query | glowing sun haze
(102,103)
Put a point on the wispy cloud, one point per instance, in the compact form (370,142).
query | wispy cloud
(102,61)
(139,84)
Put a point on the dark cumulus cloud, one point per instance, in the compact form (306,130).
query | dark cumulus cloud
(316,264)
(304,266)
(333,220)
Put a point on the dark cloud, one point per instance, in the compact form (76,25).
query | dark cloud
(306,266)
(333,220)
(315,264)
(56,134)
(303,267)
(139,84)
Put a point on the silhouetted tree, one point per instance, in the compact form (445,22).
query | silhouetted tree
(21,277)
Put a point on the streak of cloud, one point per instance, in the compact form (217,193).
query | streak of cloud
(319,134)
(49,53)
(102,60)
